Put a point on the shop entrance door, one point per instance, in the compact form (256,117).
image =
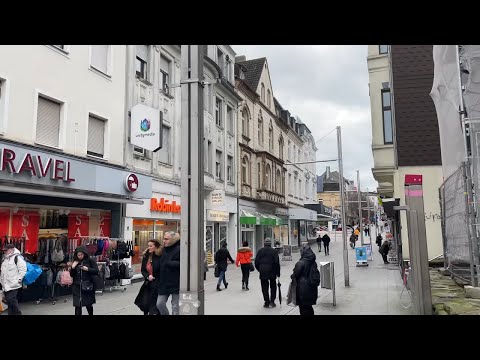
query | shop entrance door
(223,233)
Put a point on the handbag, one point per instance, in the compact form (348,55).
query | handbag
(251,267)
(292,293)
(217,271)
(87,285)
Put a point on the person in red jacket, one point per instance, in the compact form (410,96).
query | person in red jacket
(244,258)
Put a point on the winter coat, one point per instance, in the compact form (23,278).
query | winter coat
(155,264)
(326,239)
(267,263)
(384,249)
(82,297)
(11,274)
(221,257)
(379,240)
(169,282)
(244,256)
(353,238)
(319,239)
(306,293)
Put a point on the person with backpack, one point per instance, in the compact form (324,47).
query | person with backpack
(244,259)
(326,243)
(169,282)
(13,270)
(221,257)
(83,271)
(267,264)
(147,296)
(307,276)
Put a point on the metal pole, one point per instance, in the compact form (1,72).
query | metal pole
(360,227)
(192,182)
(469,233)
(332,274)
(342,207)
(368,218)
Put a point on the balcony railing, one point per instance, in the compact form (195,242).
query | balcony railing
(246,190)
(267,195)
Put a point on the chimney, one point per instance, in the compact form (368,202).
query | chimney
(240,58)
(328,172)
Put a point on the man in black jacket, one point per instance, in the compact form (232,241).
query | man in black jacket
(267,264)
(221,257)
(169,274)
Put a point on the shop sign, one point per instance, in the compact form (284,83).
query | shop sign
(215,215)
(105,225)
(26,225)
(163,205)
(217,197)
(146,127)
(131,182)
(78,225)
(35,165)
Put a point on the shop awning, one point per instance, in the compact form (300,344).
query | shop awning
(266,219)
(259,218)
(247,218)
(279,220)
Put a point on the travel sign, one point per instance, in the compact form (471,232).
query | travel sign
(146,127)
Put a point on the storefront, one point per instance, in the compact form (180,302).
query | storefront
(259,221)
(302,225)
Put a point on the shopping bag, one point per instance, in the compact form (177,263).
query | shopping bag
(292,293)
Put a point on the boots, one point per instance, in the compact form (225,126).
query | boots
(246,286)
(243,285)
(218,288)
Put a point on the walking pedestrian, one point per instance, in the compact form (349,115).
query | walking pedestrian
(267,264)
(384,249)
(319,242)
(379,240)
(326,243)
(147,296)
(169,282)
(83,271)
(13,270)
(221,257)
(244,259)
(353,239)
(205,265)
(306,292)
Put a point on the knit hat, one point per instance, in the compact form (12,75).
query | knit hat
(267,242)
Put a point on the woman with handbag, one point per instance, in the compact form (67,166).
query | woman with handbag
(83,271)
(244,259)
(146,299)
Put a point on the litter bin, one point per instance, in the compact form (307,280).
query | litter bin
(326,275)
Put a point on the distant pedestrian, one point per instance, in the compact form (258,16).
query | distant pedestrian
(379,240)
(353,239)
(244,260)
(267,264)
(357,232)
(384,249)
(306,292)
(221,257)
(13,270)
(147,295)
(83,270)
(319,242)
(169,282)
(326,243)
(205,265)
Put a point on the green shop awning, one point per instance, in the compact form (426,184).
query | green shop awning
(279,221)
(247,218)
(266,219)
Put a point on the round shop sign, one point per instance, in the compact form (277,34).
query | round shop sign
(131,182)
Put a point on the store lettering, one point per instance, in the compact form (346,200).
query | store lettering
(78,223)
(25,222)
(35,166)
(164,206)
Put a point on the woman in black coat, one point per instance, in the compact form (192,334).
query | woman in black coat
(221,257)
(147,296)
(83,271)
(306,294)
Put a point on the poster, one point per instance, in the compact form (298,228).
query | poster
(287,252)
(368,248)
(361,254)
(77,226)
(105,225)
(26,224)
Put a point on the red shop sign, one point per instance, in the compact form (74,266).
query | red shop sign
(4,222)
(26,224)
(105,225)
(77,226)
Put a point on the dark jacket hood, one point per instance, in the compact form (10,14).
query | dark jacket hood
(244,249)
(82,249)
(307,254)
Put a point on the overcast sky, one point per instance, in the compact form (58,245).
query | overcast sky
(326,86)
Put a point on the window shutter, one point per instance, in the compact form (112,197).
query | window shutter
(96,136)
(142,52)
(100,57)
(48,122)
(164,152)
(164,64)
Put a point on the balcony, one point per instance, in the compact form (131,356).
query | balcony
(246,190)
(266,195)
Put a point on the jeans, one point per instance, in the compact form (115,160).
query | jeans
(319,247)
(384,256)
(78,310)
(273,290)
(245,273)
(162,304)
(306,310)
(222,278)
(327,248)
(12,302)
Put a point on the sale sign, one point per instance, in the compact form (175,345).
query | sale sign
(26,224)
(77,226)
(4,222)
(105,224)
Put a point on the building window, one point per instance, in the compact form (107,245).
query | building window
(289,150)
(245,170)
(300,189)
(280,148)
(164,153)
(294,153)
(270,137)
(219,165)
(221,60)
(269,103)
(96,136)
(218,112)
(165,75)
(383,49)
(295,190)
(48,122)
(209,157)
(290,184)
(268,177)
(262,93)
(307,192)
(259,176)
(100,58)
(245,122)
(230,169)
(260,130)
(278,182)
(299,156)
(141,61)
(230,119)
(387,117)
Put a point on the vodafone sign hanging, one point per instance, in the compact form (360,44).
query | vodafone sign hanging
(146,127)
